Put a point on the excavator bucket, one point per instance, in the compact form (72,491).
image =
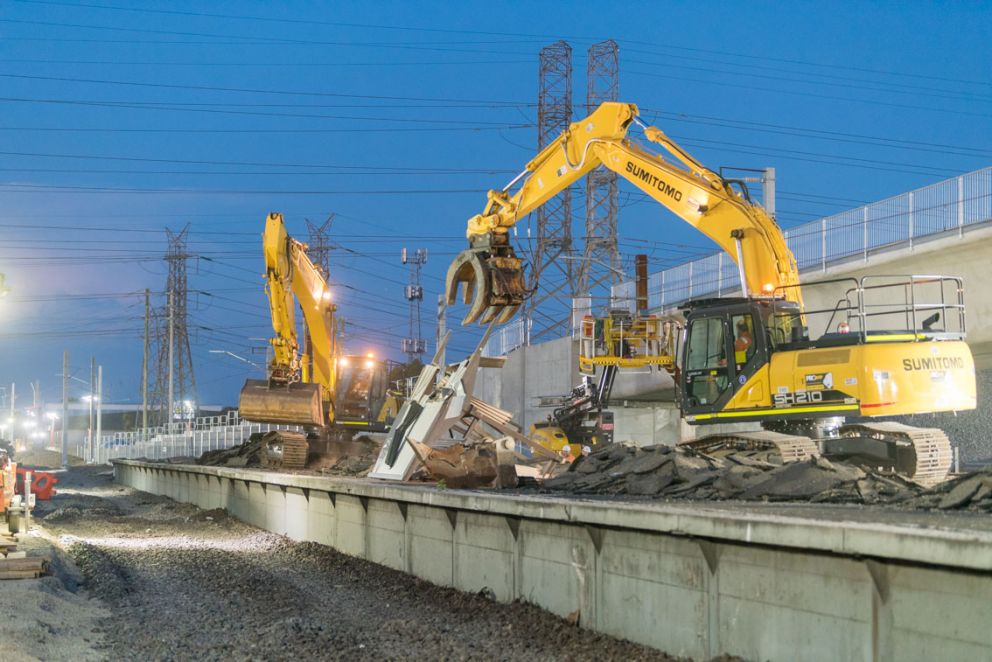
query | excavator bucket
(493,285)
(294,404)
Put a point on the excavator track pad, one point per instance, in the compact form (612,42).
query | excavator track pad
(923,455)
(493,285)
(284,449)
(774,446)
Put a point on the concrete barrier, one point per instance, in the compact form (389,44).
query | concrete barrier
(761,582)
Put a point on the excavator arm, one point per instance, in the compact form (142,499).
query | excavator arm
(492,274)
(289,272)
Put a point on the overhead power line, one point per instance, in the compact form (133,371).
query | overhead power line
(628,44)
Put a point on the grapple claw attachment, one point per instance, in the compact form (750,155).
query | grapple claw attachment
(493,285)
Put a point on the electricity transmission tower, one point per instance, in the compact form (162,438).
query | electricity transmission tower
(414,344)
(599,268)
(175,383)
(549,308)
(319,244)
(319,251)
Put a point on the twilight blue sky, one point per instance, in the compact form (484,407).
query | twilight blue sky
(118,120)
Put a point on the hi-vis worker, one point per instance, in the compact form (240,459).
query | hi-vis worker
(743,342)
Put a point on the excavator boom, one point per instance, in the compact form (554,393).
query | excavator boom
(492,274)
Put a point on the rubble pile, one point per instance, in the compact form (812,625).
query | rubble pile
(681,473)
(354,457)
(972,491)
(248,454)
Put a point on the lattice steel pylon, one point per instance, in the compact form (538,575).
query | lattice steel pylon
(599,268)
(319,251)
(319,244)
(414,344)
(549,308)
(173,344)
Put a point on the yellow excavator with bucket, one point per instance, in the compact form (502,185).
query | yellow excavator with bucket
(883,346)
(327,393)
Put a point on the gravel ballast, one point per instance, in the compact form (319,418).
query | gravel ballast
(183,583)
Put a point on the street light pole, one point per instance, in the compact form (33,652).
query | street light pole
(89,430)
(65,409)
(99,414)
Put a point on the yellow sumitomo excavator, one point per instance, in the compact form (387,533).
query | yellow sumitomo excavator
(332,395)
(897,347)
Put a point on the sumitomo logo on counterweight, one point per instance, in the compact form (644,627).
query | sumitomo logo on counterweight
(933,363)
(651,179)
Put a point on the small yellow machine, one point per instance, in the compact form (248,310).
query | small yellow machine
(890,345)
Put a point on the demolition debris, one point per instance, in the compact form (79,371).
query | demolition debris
(675,473)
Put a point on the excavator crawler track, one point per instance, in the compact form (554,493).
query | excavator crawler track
(284,449)
(923,455)
(786,447)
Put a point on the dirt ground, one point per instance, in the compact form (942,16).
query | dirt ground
(44,459)
(161,580)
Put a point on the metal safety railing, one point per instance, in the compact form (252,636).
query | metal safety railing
(947,207)
(179,439)
(508,337)
(872,307)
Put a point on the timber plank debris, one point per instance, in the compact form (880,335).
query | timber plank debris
(18,565)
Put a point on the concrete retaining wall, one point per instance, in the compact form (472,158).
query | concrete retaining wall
(693,581)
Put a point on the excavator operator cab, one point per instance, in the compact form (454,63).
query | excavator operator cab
(727,340)
(362,382)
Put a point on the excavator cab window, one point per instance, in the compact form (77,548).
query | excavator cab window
(706,372)
(361,388)
(744,347)
(785,325)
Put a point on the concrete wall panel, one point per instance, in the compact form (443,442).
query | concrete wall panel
(297,522)
(486,555)
(557,568)
(351,524)
(663,584)
(321,519)
(777,604)
(961,625)
(275,509)
(431,548)
(387,540)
